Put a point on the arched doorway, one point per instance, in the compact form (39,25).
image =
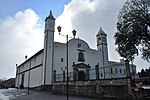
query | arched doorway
(81,75)
(81,72)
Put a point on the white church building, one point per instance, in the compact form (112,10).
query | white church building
(49,65)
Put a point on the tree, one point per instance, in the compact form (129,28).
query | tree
(144,73)
(133,30)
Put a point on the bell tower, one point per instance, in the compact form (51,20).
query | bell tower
(102,47)
(48,49)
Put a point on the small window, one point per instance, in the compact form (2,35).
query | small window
(101,75)
(79,45)
(99,38)
(104,39)
(120,71)
(62,59)
(81,56)
(116,70)
(111,70)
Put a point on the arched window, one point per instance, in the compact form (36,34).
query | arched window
(120,71)
(99,38)
(79,45)
(104,39)
(111,71)
(81,56)
(116,70)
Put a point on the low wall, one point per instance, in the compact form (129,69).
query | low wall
(114,88)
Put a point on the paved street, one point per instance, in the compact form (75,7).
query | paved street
(13,94)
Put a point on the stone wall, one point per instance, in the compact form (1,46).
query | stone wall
(114,88)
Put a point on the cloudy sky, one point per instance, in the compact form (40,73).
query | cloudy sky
(22,25)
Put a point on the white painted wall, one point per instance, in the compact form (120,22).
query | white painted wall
(92,57)
(36,65)
(92,74)
(26,77)
(35,77)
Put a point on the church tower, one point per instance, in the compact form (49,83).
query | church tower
(48,49)
(102,47)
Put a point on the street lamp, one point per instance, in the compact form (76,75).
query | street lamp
(74,33)
(59,29)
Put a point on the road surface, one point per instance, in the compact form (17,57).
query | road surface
(14,94)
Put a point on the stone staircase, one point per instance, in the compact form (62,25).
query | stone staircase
(146,94)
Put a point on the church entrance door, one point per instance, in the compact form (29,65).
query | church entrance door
(81,75)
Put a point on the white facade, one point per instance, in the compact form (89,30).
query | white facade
(49,64)
(29,73)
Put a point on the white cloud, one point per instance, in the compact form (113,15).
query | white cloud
(20,35)
(86,16)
